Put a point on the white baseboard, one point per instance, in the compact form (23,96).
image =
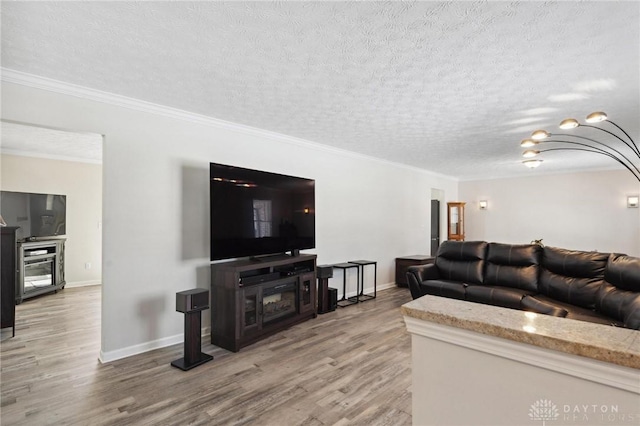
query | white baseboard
(140,348)
(146,347)
(386,286)
(368,290)
(71,284)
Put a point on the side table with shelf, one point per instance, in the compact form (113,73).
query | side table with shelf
(346,301)
(361,265)
(403,263)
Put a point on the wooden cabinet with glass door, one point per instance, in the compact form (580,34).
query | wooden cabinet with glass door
(455,221)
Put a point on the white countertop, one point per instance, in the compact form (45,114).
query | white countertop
(606,343)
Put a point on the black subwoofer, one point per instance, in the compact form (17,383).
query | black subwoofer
(324,272)
(333,298)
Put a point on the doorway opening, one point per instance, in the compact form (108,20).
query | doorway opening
(437,201)
(46,160)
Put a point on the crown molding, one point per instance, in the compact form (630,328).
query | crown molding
(30,80)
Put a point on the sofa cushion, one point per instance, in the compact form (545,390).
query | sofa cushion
(623,272)
(451,289)
(619,296)
(505,297)
(511,265)
(572,276)
(532,304)
(461,261)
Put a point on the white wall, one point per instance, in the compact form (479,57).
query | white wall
(451,364)
(82,184)
(582,211)
(155,205)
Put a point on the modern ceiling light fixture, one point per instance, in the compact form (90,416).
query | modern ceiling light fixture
(532,164)
(624,150)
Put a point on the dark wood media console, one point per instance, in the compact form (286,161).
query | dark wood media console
(8,261)
(255,298)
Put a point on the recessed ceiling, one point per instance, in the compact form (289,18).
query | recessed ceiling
(450,87)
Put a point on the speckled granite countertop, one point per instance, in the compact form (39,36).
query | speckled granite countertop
(601,342)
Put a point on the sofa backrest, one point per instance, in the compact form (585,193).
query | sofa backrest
(462,261)
(619,296)
(572,276)
(511,265)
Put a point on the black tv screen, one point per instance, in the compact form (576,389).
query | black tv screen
(256,213)
(37,215)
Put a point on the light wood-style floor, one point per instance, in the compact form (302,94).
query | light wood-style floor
(348,367)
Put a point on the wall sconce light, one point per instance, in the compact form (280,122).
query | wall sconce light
(483,204)
(633,201)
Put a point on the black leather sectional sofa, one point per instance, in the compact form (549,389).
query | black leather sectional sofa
(590,286)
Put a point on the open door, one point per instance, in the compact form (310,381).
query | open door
(435,226)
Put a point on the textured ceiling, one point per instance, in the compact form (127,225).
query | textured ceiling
(450,87)
(20,139)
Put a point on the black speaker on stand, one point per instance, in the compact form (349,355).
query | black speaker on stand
(192,303)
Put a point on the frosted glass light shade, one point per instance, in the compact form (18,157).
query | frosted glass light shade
(540,134)
(569,123)
(530,153)
(596,117)
(528,143)
(532,164)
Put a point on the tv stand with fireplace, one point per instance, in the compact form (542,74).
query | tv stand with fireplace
(252,299)
(40,268)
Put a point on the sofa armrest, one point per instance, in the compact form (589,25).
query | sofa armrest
(424,272)
(416,274)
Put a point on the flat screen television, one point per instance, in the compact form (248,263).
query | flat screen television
(37,215)
(255,213)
